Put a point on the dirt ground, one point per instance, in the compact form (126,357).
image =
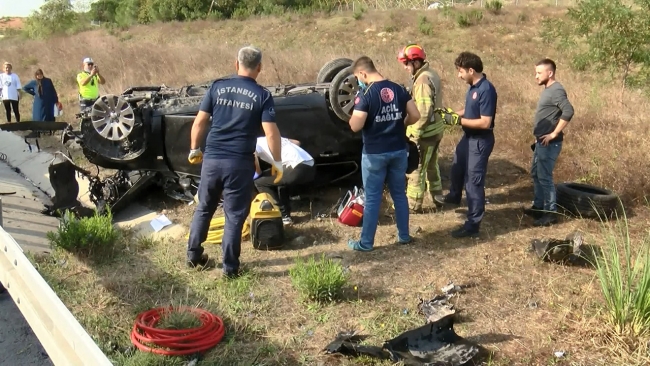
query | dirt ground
(521,309)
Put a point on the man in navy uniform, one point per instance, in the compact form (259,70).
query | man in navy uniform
(239,106)
(469,166)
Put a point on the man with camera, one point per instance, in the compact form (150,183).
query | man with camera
(88,81)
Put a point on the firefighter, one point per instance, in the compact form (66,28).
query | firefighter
(239,108)
(427,132)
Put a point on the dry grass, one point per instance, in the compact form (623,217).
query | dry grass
(605,145)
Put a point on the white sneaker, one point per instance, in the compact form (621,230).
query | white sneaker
(286,220)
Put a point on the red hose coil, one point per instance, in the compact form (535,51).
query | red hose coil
(182,341)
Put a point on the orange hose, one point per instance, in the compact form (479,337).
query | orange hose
(179,342)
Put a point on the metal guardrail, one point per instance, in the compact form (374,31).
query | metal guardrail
(64,339)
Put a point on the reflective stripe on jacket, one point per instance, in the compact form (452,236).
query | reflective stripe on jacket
(427,95)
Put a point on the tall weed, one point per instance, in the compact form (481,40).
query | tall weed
(624,276)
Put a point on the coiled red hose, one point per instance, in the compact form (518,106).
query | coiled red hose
(179,342)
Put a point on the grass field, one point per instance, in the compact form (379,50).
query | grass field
(606,144)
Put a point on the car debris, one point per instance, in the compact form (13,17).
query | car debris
(436,308)
(347,343)
(439,306)
(434,343)
(570,250)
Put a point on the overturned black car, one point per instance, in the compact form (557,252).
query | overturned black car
(144,135)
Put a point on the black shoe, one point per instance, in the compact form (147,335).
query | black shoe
(534,212)
(441,200)
(232,274)
(464,233)
(203,261)
(547,219)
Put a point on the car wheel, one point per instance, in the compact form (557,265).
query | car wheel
(330,69)
(112,117)
(343,89)
(113,131)
(588,201)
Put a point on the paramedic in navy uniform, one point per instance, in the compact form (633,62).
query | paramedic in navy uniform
(239,106)
(382,110)
(469,167)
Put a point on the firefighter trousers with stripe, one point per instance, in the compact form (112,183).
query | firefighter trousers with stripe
(427,175)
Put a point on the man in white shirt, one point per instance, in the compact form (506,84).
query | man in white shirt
(9,88)
(298,169)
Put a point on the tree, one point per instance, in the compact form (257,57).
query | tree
(606,35)
(104,10)
(55,16)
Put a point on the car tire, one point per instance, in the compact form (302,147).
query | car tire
(342,91)
(331,69)
(587,200)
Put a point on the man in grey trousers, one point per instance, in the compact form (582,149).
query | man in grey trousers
(554,111)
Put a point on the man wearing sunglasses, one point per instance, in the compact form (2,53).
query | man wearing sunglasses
(427,132)
(88,81)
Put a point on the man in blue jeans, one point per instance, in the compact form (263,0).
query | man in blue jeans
(239,107)
(554,111)
(473,151)
(382,110)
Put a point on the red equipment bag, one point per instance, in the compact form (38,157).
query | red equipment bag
(350,211)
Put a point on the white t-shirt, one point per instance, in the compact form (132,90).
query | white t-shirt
(292,154)
(10,85)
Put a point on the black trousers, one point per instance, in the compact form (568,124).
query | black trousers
(86,104)
(233,179)
(9,105)
(281,192)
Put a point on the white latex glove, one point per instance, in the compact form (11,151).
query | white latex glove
(277,169)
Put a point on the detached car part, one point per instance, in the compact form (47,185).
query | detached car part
(570,250)
(433,344)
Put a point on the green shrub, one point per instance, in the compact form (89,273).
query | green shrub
(318,280)
(494,6)
(87,235)
(424,26)
(470,18)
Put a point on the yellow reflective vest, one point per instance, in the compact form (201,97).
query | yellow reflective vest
(90,90)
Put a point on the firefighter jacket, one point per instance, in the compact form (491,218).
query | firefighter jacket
(427,95)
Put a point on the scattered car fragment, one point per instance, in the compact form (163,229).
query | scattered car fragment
(570,250)
(435,343)
(436,308)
